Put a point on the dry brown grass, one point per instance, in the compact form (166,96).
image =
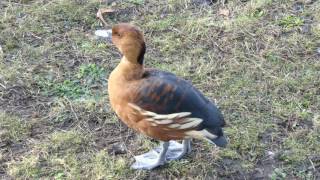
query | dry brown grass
(260,64)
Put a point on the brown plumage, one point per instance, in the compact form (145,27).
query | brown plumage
(124,83)
(157,103)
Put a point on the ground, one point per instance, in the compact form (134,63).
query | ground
(259,60)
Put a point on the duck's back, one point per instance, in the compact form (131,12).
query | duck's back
(164,93)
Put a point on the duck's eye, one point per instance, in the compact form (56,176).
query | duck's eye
(117,34)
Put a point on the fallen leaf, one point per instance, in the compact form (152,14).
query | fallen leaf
(224,12)
(103,11)
(308,1)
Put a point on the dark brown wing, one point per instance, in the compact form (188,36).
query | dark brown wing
(163,93)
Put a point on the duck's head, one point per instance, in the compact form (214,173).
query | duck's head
(130,42)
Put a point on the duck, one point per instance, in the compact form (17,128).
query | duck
(157,103)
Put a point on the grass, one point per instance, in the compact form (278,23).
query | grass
(260,64)
(12,128)
(291,21)
(78,85)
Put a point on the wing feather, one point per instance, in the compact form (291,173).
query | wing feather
(173,103)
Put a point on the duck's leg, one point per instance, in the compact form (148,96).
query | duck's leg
(186,148)
(187,143)
(152,159)
(162,155)
(166,152)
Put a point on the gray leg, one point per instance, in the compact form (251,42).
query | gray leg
(162,155)
(186,148)
(187,143)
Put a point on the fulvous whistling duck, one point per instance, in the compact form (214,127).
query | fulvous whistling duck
(157,103)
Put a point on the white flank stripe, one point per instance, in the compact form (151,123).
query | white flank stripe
(183,114)
(187,120)
(173,126)
(167,121)
(190,124)
(149,119)
(148,113)
(203,134)
(207,134)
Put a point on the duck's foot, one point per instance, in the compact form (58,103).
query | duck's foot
(167,151)
(148,161)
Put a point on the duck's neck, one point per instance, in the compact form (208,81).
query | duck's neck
(130,71)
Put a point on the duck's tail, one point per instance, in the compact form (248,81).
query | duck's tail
(220,141)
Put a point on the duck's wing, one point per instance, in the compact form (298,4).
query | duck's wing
(165,99)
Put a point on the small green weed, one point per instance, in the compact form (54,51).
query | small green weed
(289,22)
(59,176)
(278,174)
(257,13)
(272,57)
(77,86)
(69,88)
(91,73)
